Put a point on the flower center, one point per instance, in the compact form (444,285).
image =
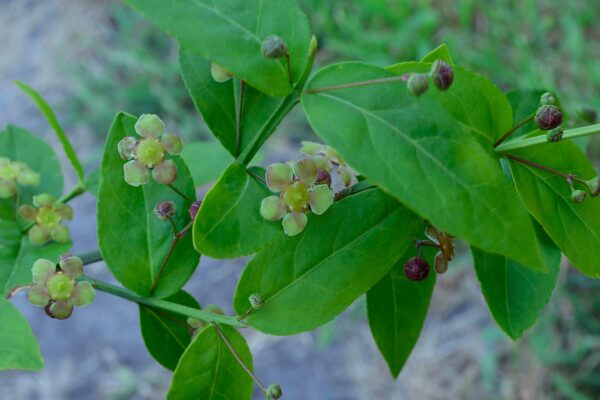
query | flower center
(296,196)
(149,152)
(48,217)
(61,286)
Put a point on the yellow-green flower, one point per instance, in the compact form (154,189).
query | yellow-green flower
(48,215)
(13,173)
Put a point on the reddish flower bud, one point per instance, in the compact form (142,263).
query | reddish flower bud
(194,207)
(416,269)
(442,74)
(548,117)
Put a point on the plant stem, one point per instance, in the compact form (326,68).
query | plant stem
(355,84)
(528,142)
(568,177)
(91,257)
(162,304)
(180,193)
(78,190)
(354,189)
(238,120)
(513,130)
(176,237)
(238,358)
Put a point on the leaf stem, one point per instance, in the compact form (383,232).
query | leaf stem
(513,130)
(355,84)
(176,237)
(162,304)
(567,177)
(180,193)
(238,120)
(532,141)
(238,358)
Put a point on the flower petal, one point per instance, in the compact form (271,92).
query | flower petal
(272,208)
(71,265)
(126,147)
(135,173)
(321,198)
(294,223)
(172,143)
(165,172)
(279,176)
(84,294)
(42,270)
(149,125)
(306,170)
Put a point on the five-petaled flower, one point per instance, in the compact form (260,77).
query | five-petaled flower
(47,214)
(13,172)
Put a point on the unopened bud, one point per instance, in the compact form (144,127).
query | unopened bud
(418,84)
(164,210)
(274,47)
(594,186)
(194,207)
(416,269)
(256,301)
(548,99)
(548,117)
(442,74)
(578,196)
(555,135)
(274,392)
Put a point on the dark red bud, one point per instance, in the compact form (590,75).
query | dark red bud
(193,210)
(416,269)
(442,74)
(548,117)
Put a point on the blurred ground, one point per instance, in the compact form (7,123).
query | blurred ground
(91,58)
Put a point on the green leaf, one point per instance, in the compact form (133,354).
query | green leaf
(516,295)
(206,161)
(166,334)
(416,151)
(231,33)
(575,228)
(18,347)
(229,223)
(53,121)
(439,53)
(397,308)
(17,256)
(209,371)
(218,103)
(133,241)
(524,103)
(308,279)
(21,145)
(472,99)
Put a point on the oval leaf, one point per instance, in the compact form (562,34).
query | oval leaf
(209,371)
(218,104)
(575,228)
(133,242)
(206,161)
(439,53)
(397,308)
(229,223)
(18,347)
(516,295)
(308,279)
(415,150)
(231,33)
(166,334)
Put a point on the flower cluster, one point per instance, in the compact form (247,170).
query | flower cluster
(304,185)
(47,214)
(13,172)
(56,289)
(148,153)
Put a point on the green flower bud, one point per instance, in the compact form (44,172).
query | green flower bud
(442,74)
(165,172)
(279,176)
(44,199)
(27,212)
(83,295)
(149,152)
(296,196)
(274,392)
(8,188)
(38,296)
(310,148)
(149,126)
(306,170)
(274,47)
(593,186)
(38,235)
(548,99)
(28,178)
(294,223)
(588,115)
(548,117)
(135,173)
(42,270)
(71,265)
(418,84)
(65,211)
(60,310)
(126,147)
(60,234)
(321,198)
(578,196)
(272,208)
(256,301)
(555,135)
(220,74)
(60,286)
(172,143)
(164,210)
